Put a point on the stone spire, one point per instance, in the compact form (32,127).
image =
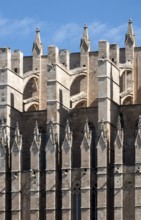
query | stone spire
(37,45)
(118,172)
(36,139)
(85,33)
(51,143)
(85,42)
(130,36)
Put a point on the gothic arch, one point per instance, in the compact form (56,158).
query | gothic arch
(128,100)
(78,85)
(81,103)
(31,88)
(28,78)
(76,75)
(34,106)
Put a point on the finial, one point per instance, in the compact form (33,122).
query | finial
(85,26)
(85,41)
(85,33)
(130,37)
(37,45)
(37,29)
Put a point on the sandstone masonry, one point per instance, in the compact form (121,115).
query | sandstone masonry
(70,132)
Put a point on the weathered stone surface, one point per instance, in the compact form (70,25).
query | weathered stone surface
(73,160)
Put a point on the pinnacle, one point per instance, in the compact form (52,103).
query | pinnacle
(37,29)
(130,20)
(17,132)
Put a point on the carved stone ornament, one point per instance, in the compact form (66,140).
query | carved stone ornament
(87,132)
(119,136)
(103,139)
(138,137)
(17,144)
(130,36)
(36,139)
(86,142)
(51,143)
(37,45)
(3,135)
(67,143)
(68,133)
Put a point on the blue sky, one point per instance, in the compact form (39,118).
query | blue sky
(61,22)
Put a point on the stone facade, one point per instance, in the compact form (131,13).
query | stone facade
(70,132)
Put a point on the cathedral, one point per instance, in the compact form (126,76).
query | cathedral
(70,132)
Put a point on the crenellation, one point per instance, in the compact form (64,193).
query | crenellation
(114,54)
(104,51)
(53,54)
(64,58)
(17,62)
(5,58)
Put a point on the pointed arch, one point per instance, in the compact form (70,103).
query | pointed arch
(78,91)
(126,81)
(34,106)
(128,100)
(31,87)
(77,79)
(80,104)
